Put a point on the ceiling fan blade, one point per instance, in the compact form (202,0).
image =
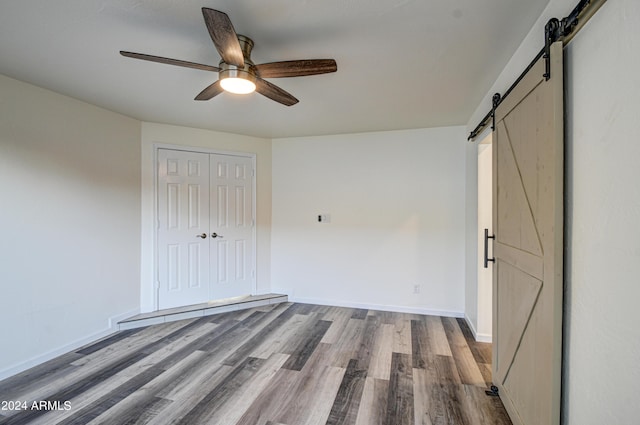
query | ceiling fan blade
(169,61)
(210,92)
(296,68)
(224,36)
(274,92)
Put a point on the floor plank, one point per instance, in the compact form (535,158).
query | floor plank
(402,336)
(303,351)
(373,404)
(400,397)
(439,342)
(288,364)
(347,401)
(420,345)
(224,391)
(465,362)
(380,364)
(296,397)
(347,343)
(230,412)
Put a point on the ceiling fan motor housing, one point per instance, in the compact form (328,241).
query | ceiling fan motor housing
(246,72)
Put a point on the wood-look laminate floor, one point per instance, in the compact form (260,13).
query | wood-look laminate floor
(284,364)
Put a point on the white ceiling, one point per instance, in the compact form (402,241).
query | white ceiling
(401,63)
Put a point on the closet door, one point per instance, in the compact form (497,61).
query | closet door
(231,227)
(205,227)
(183,228)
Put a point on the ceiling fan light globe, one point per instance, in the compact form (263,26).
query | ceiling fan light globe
(238,85)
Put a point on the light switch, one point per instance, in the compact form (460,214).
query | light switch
(324,218)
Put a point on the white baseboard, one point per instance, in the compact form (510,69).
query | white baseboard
(41,358)
(484,338)
(477,336)
(113,321)
(381,307)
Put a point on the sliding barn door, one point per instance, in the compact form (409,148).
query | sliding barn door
(528,224)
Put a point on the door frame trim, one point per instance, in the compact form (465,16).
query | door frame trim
(155,261)
(481,313)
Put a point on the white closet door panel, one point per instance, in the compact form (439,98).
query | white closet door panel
(232,225)
(183,218)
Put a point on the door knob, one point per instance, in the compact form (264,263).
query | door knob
(215,235)
(203,236)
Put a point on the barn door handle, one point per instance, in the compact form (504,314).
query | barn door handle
(486,248)
(203,236)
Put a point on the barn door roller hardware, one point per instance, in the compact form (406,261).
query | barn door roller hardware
(493,391)
(495,101)
(551,35)
(555,30)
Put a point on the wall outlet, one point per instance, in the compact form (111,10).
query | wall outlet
(416,289)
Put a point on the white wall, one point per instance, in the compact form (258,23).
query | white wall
(603,206)
(396,201)
(69,222)
(191,137)
(601,377)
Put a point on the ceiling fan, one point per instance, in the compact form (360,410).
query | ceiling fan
(237,73)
